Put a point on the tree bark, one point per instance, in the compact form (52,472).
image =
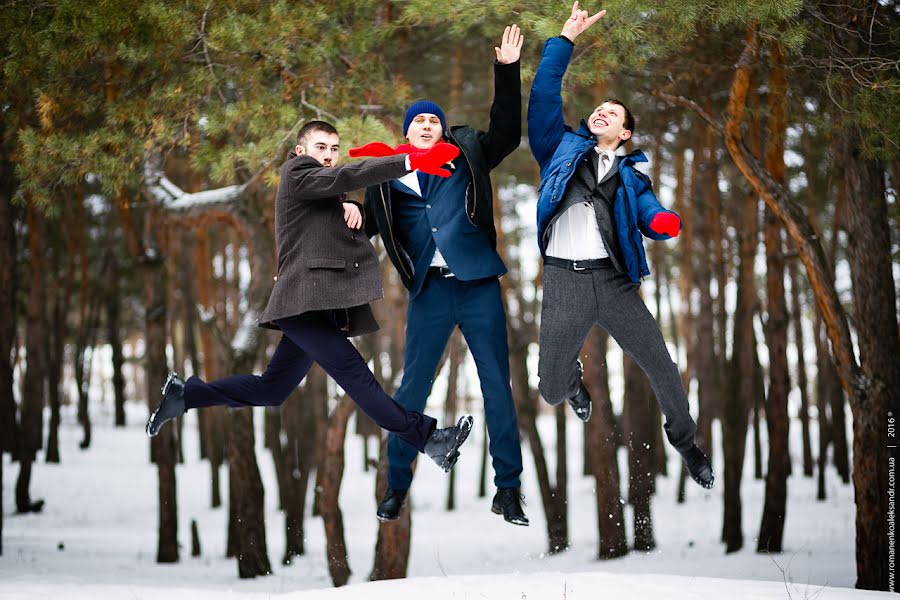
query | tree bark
(392,545)
(603,443)
(735,418)
(299,426)
(874,415)
(328,481)
(113,324)
(703,178)
(250,526)
(31,418)
(8,290)
(802,381)
(771,531)
(640,440)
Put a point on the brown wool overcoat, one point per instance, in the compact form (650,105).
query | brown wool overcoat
(322,263)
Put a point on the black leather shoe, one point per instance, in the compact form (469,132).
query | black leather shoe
(698,466)
(389,507)
(508,502)
(443,444)
(581,402)
(172,404)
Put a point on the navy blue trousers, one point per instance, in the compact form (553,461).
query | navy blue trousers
(307,338)
(476,307)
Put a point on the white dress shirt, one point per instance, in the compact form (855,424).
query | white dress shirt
(575,235)
(411,180)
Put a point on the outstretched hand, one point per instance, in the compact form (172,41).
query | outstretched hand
(431,160)
(579,21)
(510,46)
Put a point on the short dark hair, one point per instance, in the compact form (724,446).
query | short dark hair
(629,118)
(312,126)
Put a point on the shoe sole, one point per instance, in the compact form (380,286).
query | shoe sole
(465,428)
(387,520)
(588,417)
(708,486)
(513,520)
(164,390)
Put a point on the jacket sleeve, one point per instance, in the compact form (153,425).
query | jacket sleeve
(370,226)
(505,130)
(648,207)
(311,181)
(545,112)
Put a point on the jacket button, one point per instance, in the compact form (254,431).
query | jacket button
(433,229)
(275,278)
(356,265)
(427,206)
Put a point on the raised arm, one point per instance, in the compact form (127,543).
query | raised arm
(545,113)
(505,129)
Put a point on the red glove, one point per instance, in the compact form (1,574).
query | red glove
(667,223)
(430,161)
(372,149)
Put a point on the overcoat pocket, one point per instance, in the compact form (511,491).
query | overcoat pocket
(326,263)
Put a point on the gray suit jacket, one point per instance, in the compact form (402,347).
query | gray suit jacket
(322,263)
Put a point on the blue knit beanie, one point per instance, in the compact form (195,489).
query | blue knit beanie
(423,106)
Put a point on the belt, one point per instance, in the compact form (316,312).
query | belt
(578,265)
(442,271)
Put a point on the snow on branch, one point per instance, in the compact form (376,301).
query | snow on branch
(173,198)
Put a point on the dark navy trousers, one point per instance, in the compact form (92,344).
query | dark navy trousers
(476,307)
(307,338)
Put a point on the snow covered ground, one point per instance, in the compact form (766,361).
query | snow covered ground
(97,536)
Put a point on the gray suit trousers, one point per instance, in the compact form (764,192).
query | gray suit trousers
(573,302)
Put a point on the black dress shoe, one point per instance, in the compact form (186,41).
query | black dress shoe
(171,406)
(507,501)
(389,507)
(443,444)
(581,402)
(698,466)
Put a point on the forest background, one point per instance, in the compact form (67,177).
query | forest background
(139,147)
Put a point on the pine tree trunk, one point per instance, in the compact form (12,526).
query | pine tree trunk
(772,528)
(392,545)
(163,446)
(603,443)
(8,289)
(874,440)
(640,441)
(706,370)
(328,482)
(457,355)
(299,425)
(250,527)
(59,293)
(802,381)
(735,418)
(113,324)
(31,421)
(272,441)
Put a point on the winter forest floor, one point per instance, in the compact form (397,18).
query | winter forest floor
(97,535)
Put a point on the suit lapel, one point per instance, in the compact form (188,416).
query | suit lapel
(612,170)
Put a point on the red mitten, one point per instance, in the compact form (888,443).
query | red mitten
(430,161)
(373,149)
(667,223)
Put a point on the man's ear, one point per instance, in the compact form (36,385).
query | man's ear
(625,135)
(299,150)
